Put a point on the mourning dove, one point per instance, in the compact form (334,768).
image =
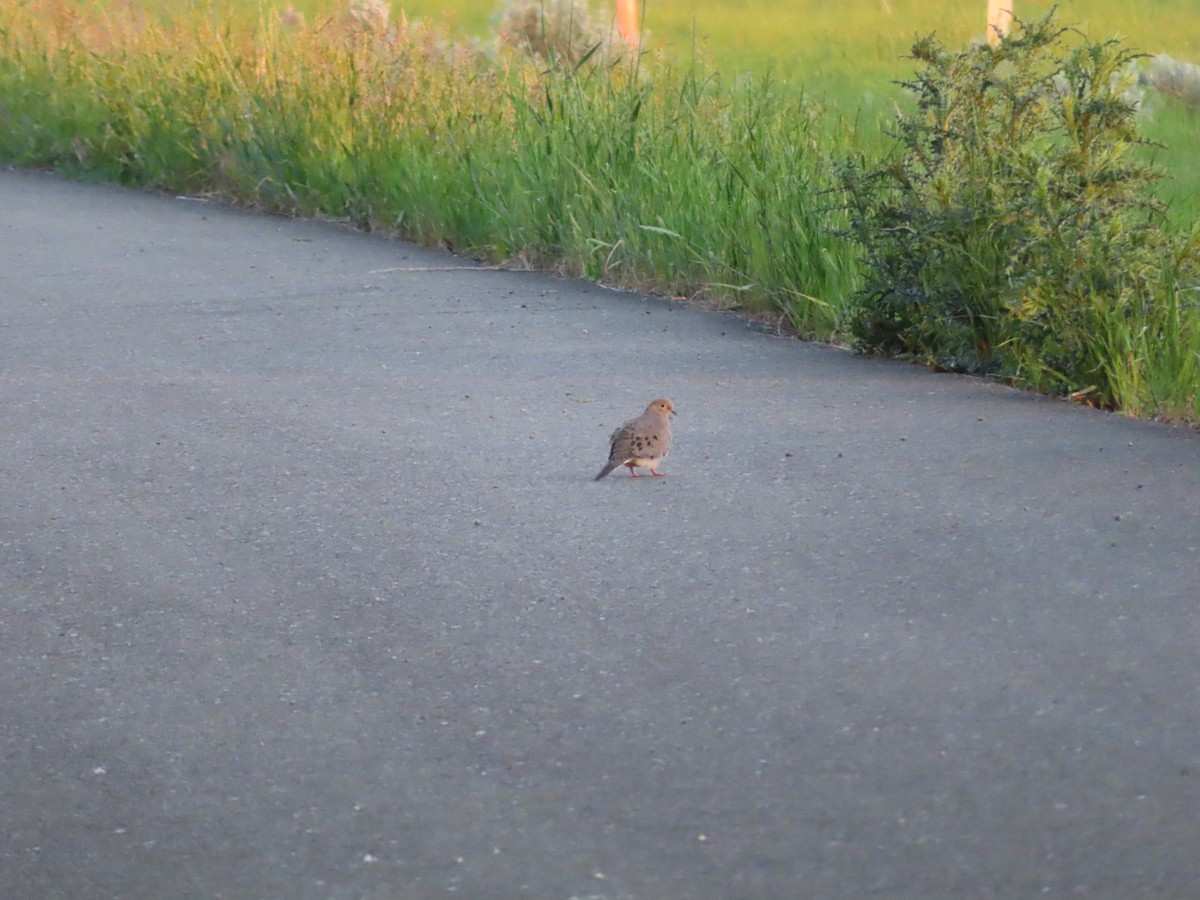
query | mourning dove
(643,441)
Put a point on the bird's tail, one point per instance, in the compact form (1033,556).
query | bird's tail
(606,470)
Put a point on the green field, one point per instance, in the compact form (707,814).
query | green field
(826,42)
(708,167)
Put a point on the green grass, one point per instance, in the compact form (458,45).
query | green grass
(671,172)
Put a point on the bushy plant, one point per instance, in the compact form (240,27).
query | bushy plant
(1013,229)
(1175,78)
(556,31)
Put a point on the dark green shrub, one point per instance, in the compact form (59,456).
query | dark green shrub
(1013,227)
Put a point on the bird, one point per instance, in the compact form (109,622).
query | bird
(643,441)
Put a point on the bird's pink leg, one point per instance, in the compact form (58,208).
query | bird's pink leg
(632,474)
(657,474)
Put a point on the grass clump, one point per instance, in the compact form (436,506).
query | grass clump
(1015,233)
(557,31)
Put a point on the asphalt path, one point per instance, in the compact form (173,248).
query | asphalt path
(307,591)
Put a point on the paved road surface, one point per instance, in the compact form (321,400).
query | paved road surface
(307,592)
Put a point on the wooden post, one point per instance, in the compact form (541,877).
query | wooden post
(627,21)
(1000,15)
